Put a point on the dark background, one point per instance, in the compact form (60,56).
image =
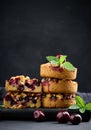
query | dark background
(29,31)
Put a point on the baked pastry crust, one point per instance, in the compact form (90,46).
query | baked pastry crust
(22,100)
(47,70)
(22,83)
(59,102)
(51,85)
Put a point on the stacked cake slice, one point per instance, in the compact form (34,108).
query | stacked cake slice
(22,92)
(59,89)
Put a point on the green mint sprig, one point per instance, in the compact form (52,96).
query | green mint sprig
(81,105)
(1,106)
(60,62)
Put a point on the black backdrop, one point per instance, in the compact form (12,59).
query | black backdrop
(29,31)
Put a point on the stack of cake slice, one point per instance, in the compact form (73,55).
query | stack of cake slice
(59,89)
(22,92)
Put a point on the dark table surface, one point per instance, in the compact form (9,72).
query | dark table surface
(51,125)
(46,125)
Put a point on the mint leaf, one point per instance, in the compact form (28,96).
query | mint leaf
(88,106)
(75,106)
(80,104)
(82,110)
(79,101)
(62,59)
(1,106)
(52,58)
(54,62)
(68,65)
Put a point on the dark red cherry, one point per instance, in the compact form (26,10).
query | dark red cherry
(86,116)
(63,117)
(39,115)
(75,119)
(58,56)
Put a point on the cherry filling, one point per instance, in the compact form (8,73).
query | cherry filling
(36,82)
(15,100)
(38,95)
(24,104)
(27,84)
(34,101)
(31,98)
(56,80)
(32,87)
(53,98)
(23,100)
(27,98)
(65,96)
(56,68)
(13,81)
(17,80)
(13,103)
(20,99)
(10,99)
(32,84)
(21,87)
(68,96)
(45,83)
